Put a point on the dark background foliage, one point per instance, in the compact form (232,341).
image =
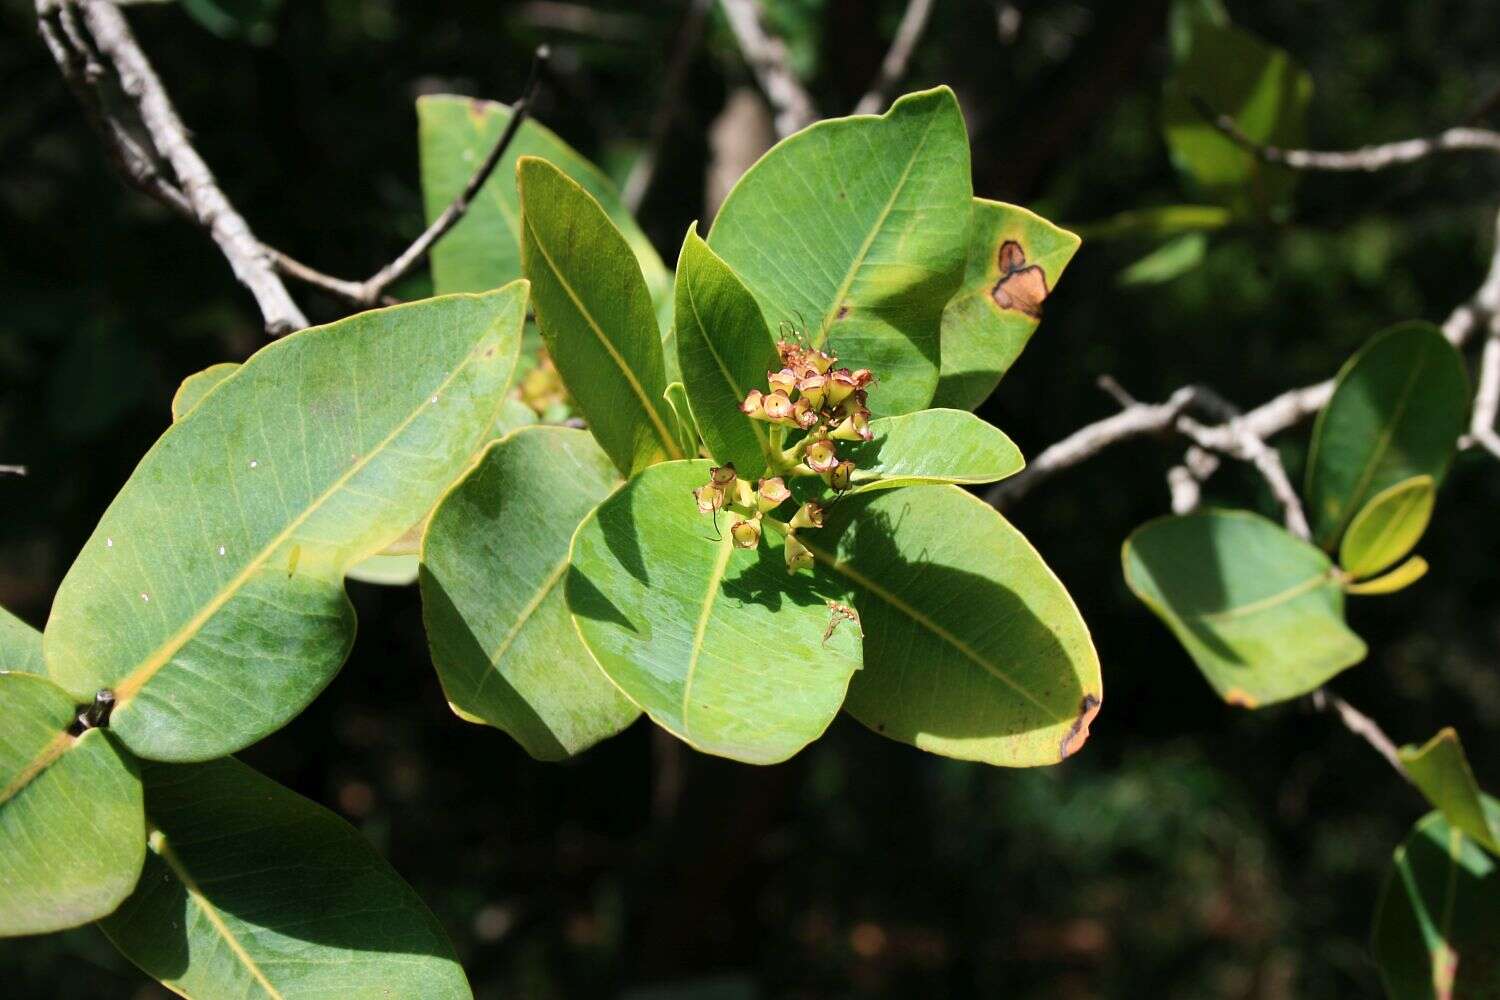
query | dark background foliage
(1191,850)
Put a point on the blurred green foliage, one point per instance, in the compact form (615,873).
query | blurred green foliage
(1190,850)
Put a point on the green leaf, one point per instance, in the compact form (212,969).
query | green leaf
(724,349)
(719,645)
(513,415)
(388,569)
(933,446)
(1257,85)
(1258,609)
(193,388)
(484,250)
(1388,527)
(1015,259)
(493,561)
(1441,772)
(973,648)
(595,317)
(71,830)
(20,646)
(1397,411)
(250,890)
(254,20)
(1167,262)
(1438,917)
(1400,578)
(858,227)
(1157,222)
(682,418)
(210,597)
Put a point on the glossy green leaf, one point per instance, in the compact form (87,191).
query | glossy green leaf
(1266,94)
(1388,527)
(932,446)
(1167,262)
(72,835)
(1258,609)
(1397,411)
(1015,259)
(973,648)
(719,645)
(484,250)
(210,597)
(724,349)
(254,20)
(1441,772)
(858,227)
(1400,578)
(396,564)
(1438,916)
(193,388)
(250,890)
(493,562)
(1157,222)
(595,317)
(20,646)
(688,435)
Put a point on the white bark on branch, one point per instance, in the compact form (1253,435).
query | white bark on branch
(893,66)
(1366,158)
(111,35)
(767,56)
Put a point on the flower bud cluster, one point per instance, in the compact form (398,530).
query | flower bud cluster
(829,404)
(825,405)
(750,509)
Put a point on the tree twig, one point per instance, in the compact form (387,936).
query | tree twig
(1360,725)
(64,24)
(893,67)
(643,170)
(1368,158)
(1234,436)
(767,57)
(192,192)
(12,470)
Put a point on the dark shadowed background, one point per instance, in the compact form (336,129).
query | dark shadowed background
(1192,849)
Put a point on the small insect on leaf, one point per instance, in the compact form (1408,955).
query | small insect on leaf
(837,615)
(1021,287)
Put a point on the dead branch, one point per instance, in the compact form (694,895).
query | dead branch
(767,57)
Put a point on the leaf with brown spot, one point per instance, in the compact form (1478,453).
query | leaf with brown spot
(1015,259)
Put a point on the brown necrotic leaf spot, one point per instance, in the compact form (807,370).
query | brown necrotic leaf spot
(1021,287)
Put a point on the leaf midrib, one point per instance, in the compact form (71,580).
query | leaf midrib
(549,583)
(45,758)
(721,564)
(942,633)
(133,682)
(666,439)
(734,386)
(1382,443)
(1265,603)
(164,851)
(869,241)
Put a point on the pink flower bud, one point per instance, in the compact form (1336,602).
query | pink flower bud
(862,377)
(798,556)
(723,476)
(752,406)
(812,387)
(791,354)
(820,362)
(745,532)
(821,456)
(840,385)
(778,408)
(840,476)
(855,427)
(772,493)
(809,515)
(804,414)
(783,381)
(710,498)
